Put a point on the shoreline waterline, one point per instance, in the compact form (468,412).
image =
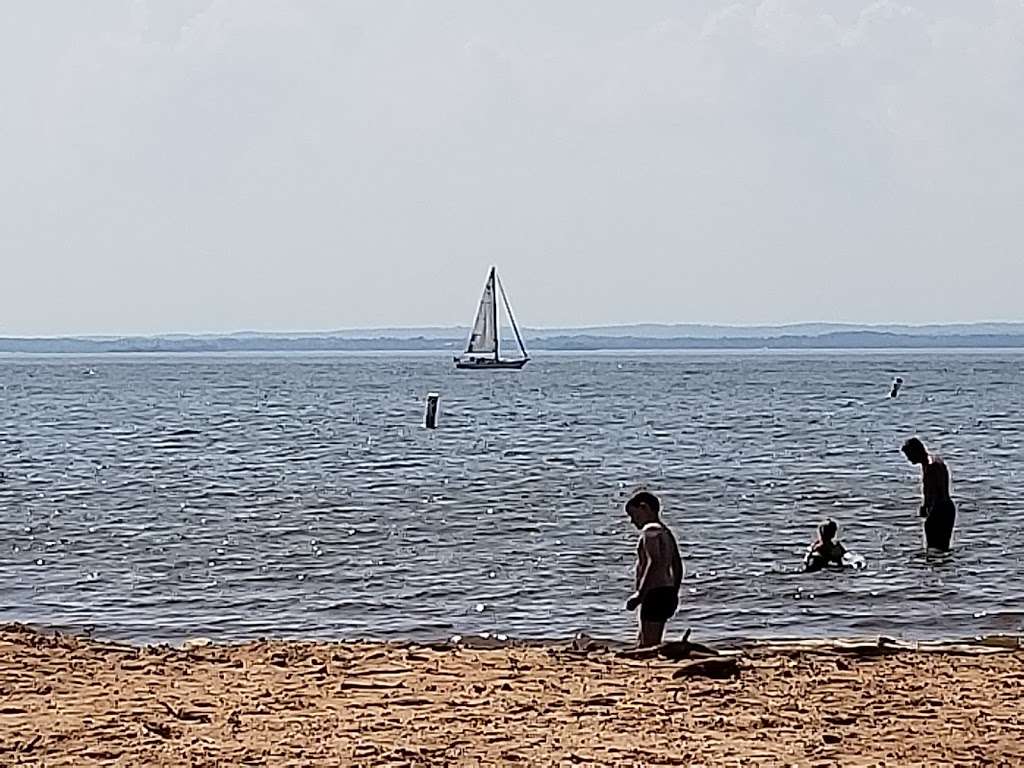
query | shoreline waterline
(497,641)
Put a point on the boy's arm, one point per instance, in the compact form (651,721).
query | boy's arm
(649,558)
(640,575)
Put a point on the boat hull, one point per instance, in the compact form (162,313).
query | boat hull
(489,364)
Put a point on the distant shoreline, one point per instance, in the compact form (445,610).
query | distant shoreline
(839,340)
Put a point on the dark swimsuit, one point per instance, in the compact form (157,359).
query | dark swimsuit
(659,604)
(938,525)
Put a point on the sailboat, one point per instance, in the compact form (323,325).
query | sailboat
(483,350)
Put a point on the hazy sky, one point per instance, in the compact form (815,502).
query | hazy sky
(210,165)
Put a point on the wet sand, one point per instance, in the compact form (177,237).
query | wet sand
(67,701)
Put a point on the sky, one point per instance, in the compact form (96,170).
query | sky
(223,165)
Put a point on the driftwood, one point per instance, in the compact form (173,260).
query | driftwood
(698,660)
(674,650)
(882,646)
(716,667)
(158,729)
(184,714)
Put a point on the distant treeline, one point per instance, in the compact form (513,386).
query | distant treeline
(838,340)
(585,342)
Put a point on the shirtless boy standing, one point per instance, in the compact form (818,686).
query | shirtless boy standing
(659,569)
(938,510)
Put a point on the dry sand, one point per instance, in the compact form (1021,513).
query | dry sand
(67,701)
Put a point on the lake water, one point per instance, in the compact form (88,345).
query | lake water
(155,498)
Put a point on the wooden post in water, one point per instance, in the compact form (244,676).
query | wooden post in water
(431,418)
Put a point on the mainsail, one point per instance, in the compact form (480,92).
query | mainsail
(484,337)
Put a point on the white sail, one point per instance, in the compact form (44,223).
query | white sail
(484,337)
(511,317)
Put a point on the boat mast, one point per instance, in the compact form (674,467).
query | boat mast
(512,318)
(494,311)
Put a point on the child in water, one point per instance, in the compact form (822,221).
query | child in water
(826,550)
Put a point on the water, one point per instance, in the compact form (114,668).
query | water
(156,498)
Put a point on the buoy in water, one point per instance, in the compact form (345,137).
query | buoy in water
(431,418)
(896,386)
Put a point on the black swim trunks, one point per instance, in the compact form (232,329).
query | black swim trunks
(659,604)
(938,525)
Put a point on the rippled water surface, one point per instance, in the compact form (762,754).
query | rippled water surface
(164,497)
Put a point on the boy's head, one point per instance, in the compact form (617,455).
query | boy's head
(643,508)
(827,531)
(915,451)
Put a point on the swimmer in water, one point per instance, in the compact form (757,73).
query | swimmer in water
(659,569)
(826,550)
(938,509)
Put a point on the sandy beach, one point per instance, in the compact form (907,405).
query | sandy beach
(71,701)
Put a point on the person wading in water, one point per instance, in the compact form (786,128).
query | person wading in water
(938,509)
